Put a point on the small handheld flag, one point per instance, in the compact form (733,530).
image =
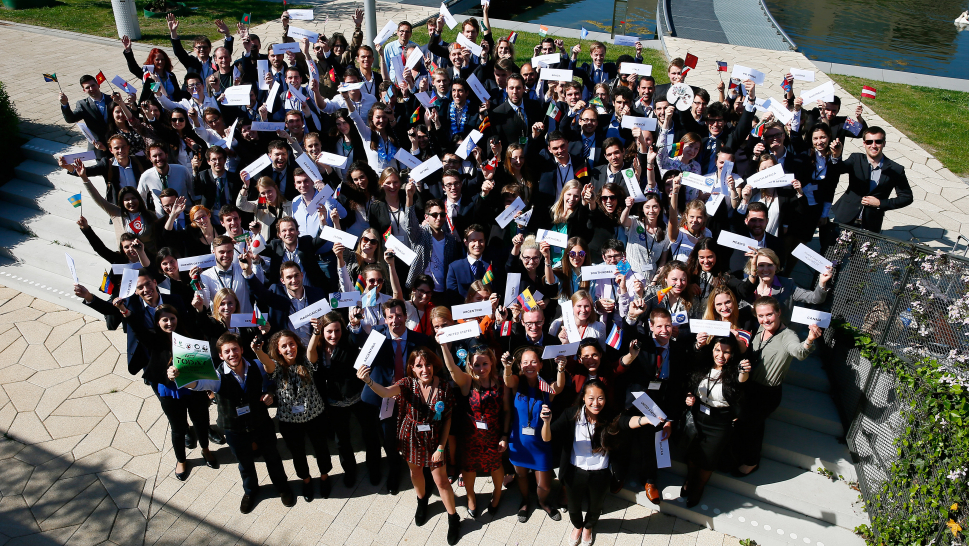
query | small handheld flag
(582,173)
(263,203)
(542,30)
(721,66)
(596,101)
(75,200)
(512,36)
(485,123)
(506,328)
(488,276)
(137,225)
(195,284)
(107,286)
(526,300)
(744,337)
(360,284)
(554,111)
(257,318)
(662,293)
(690,60)
(100,77)
(676,149)
(416,116)
(758,130)
(852,126)
(584,34)
(686,70)
(50,78)
(369,298)
(544,386)
(786,85)
(868,92)
(615,337)
(246,18)
(387,233)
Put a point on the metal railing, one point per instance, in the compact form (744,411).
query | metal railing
(777,26)
(664,26)
(913,301)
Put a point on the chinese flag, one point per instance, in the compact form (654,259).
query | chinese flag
(100,78)
(690,60)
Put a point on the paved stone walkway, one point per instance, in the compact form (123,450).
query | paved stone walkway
(86,458)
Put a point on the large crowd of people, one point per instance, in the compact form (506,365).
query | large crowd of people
(386,198)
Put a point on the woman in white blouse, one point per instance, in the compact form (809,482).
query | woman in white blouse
(377,134)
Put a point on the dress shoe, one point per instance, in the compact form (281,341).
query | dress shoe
(248,503)
(420,515)
(216,436)
(523,512)
(190,440)
(453,528)
(308,491)
(492,509)
(182,476)
(211,461)
(652,493)
(393,483)
(326,487)
(288,499)
(553,513)
(738,474)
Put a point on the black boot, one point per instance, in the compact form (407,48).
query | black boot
(420,516)
(453,528)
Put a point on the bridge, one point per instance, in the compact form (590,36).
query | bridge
(736,22)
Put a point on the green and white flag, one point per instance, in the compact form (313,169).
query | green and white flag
(193,359)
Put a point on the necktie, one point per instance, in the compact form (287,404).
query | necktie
(521,115)
(659,363)
(598,77)
(476,270)
(587,146)
(398,359)
(164,181)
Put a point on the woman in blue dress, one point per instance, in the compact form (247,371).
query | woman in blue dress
(527,398)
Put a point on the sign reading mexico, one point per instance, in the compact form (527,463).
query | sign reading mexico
(193,360)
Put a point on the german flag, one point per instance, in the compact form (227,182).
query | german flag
(485,123)
(582,173)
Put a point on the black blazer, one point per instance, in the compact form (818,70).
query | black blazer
(671,396)
(86,110)
(306,250)
(508,126)
(339,380)
(205,188)
(382,367)
(849,205)
(277,300)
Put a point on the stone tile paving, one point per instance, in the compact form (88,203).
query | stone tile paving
(87,460)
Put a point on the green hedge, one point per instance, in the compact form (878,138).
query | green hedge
(926,485)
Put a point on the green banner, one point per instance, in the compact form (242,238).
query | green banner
(193,360)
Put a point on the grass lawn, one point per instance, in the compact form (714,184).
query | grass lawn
(96,17)
(936,119)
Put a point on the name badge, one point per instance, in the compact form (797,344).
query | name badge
(528,431)
(423,428)
(705,409)
(481,425)
(242,410)
(655,385)
(299,409)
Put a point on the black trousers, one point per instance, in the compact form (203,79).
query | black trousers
(366,415)
(240,442)
(389,429)
(178,410)
(295,434)
(591,485)
(759,402)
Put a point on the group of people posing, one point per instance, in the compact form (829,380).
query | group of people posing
(363,161)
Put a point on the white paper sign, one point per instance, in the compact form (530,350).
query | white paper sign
(463,41)
(705,184)
(555,351)
(258,165)
(772,177)
(299,33)
(231,133)
(386,32)
(349,86)
(416,56)
(781,113)
(448,18)
(816,261)
(478,89)
(279,49)
(310,312)
(296,93)
(632,185)
(738,242)
(70,265)
(241,320)
(268,126)
(333,160)
(407,158)
(271,97)
(125,86)
(129,281)
(83,156)
(88,134)
(555,75)
(802,75)
(204,261)
(329,233)
(301,14)
(237,95)
(424,169)
(400,250)
(468,144)
(458,332)
(553,238)
(648,407)
(424,98)
(262,67)
(745,73)
(568,322)
(824,92)
(719,328)
(471,310)
(318,198)
(370,349)
(309,167)
(546,60)
(636,68)
(639,122)
(713,202)
(662,450)
(596,272)
(625,40)
(343,300)
(118,269)
(511,288)
(726,171)
(803,315)
(509,213)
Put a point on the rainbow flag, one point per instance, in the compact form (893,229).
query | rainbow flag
(488,276)
(676,150)
(75,200)
(615,337)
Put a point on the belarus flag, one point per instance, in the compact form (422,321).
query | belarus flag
(868,92)
(615,337)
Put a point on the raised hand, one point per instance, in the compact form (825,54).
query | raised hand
(222,27)
(126,42)
(172,25)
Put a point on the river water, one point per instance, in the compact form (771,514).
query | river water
(905,35)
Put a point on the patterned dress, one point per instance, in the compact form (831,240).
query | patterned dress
(417,446)
(479,446)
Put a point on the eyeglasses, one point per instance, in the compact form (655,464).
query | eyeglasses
(435,214)
(608,198)
(368,240)
(773,136)
(531,258)
(534,324)
(421,292)
(374,281)
(577,254)
(873,141)
(451,185)
(178,120)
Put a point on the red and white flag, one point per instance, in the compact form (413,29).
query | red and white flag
(506,328)
(544,386)
(868,92)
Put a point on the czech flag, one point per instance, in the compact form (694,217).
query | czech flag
(676,150)
(488,276)
(615,337)
(721,66)
(690,60)
(868,92)
(107,286)
(75,200)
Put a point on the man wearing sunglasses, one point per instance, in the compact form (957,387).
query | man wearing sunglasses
(435,243)
(872,178)
(201,61)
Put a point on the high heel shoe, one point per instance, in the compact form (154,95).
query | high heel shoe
(182,476)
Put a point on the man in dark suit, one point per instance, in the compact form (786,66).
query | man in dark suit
(584,131)
(120,169)
(656,365)
(513,119)
(559,165)
(286,297)
(754,225)
(94,111)
(674,71)
(467,113)
(387,367)
(216,186)
(290,247)
(611,171)
(611,124)
(279,170)
(200,63)
(462,273)
(719,137)
(871,179)
(827,112)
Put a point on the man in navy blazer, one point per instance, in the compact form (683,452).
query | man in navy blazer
(95,110)
(387,367)
(559,165)
(286,297)
(290,246)
(462,273)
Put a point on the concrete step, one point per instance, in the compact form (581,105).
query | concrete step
(42,150)
(48,257)
(809,409)
(733,514)
(807,449)
(50,228)
(43,284)
(808,373)
(47,174)
(54,201)
(792,488)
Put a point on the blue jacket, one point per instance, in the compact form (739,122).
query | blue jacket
(382,367)
(459,279)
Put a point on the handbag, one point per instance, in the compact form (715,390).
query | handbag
(687,429)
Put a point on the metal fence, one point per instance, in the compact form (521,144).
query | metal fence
(909,299)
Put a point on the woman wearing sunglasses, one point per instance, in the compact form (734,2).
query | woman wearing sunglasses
(419,306)
(570,215)
(570,276)
(606,216)
(646,240)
